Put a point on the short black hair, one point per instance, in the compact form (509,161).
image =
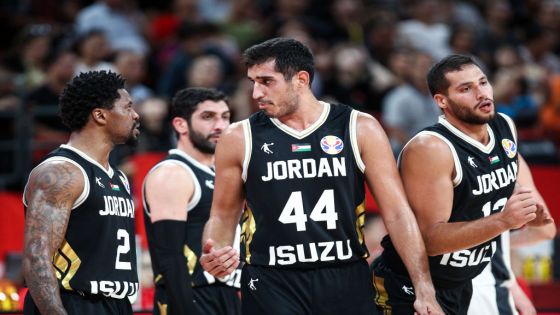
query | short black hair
(437,82)
(186,101)
(290,55)
(85,92)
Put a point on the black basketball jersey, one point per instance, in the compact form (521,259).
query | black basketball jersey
(198,214)
(500,266)
(98,254)
(485,179)
(498,272)
(496,280)
(304,191)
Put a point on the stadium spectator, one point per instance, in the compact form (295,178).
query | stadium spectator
(119,20)
(132,67)
(92,49)
(409,107)
(60,70)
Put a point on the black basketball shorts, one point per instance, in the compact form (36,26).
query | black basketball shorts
(77,304)
(216,299)
(341,289)
(394,293)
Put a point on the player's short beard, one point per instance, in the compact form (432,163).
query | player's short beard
(132,140)
(467,115)
(286,107)
(201,142)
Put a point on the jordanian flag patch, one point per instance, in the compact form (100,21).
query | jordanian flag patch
(114,187)
(493,160)
(301,147)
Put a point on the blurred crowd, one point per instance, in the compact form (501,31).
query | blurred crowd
(370,54)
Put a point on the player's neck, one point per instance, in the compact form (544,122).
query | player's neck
(203,158)
(308,112)
(478,132)
(92,145)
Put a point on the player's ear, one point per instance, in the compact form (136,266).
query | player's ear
(302,79)
(180,125)
(99,116)
(441,100)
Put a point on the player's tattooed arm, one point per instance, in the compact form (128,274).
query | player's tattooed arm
(51,191)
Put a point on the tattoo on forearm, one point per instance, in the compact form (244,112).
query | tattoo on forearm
(51,193)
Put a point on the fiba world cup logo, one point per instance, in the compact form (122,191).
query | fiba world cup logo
(332,145)
(509,147)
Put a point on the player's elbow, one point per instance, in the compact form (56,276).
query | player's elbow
(29,265)
(433,247)
(549,232)
(36,256)
(25,267)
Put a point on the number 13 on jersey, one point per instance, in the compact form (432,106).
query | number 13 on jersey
(323,210)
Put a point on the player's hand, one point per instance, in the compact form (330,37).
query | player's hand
(520,208)
(218,262)
(543,217)
(521,301)
(424,307)
(426,303)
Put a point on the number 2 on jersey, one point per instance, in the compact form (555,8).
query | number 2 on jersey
(323,210)
(123,248)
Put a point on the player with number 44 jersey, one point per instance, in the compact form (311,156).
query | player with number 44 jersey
(299,167)
(318,200)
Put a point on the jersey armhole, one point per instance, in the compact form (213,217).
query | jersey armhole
(248,142)
(125,181)
(354,140)
(197,190)
(456,163)
(197,193)
(85,192)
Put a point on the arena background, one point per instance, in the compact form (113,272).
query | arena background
(370,54)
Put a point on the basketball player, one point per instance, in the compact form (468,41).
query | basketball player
(177,198)
(459,176)
(495,290)
(79,252)
(300,165)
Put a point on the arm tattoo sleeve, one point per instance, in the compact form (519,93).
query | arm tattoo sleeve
(51,192)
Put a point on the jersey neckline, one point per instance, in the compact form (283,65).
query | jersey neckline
(487,149)
(309,130)
(110,172)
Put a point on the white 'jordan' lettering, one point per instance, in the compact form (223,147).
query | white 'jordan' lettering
(305,168)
